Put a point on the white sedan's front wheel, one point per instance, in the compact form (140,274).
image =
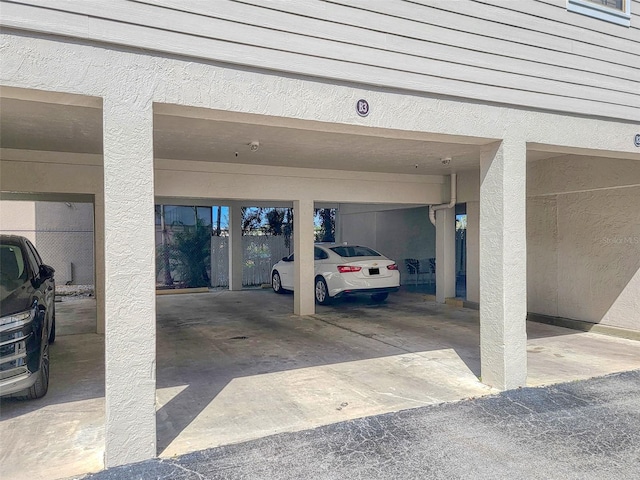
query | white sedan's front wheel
(322,292)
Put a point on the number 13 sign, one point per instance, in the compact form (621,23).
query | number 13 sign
(362,107)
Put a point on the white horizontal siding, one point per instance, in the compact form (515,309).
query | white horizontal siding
(444,45)
(528,53)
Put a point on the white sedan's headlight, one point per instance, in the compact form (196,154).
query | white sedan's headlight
(18,319)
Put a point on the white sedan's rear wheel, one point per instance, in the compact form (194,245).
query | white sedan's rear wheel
(276,283)
(322,292)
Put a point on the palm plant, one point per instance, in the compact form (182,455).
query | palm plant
(190,253)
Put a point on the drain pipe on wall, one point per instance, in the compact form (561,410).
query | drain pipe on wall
(442,206)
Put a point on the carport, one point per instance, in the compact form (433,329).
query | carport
(378,167)
(133,135)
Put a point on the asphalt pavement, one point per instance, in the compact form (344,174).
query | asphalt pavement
(580,430)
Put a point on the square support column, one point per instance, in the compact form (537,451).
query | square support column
(130,300)
(235,247)
(303,299)
(503,265)
(445,254)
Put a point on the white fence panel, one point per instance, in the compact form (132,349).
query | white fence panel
(259,253)
(219,261)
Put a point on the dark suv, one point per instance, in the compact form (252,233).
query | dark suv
(27,319)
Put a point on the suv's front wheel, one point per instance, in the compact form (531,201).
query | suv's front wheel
(40,387)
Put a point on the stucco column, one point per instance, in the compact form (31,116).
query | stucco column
(235,246)
(130,313)
(473,252)
(303,299)
(445,254)
(503,265)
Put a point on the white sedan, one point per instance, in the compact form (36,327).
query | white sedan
(342,270)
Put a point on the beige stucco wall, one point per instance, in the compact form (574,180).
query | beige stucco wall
(583,245)
(542,255)
(18,218)
(191,179)
(396,233)
(64,234)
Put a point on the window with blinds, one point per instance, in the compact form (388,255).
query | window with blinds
(614,11)
(617,4)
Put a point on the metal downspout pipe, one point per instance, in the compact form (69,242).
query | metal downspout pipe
(442,206)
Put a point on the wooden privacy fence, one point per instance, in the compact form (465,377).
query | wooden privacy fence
(259,253)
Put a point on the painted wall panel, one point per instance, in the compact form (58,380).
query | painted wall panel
(599,257)
(542,261)
(576,174)
(407,234)
(188,179)
(584,240)
(64,235)
(398,233)
(184,179)
(358,229)
(468,186)
(18,218)
(49,177)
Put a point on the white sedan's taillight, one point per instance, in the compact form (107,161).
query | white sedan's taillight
(348,268)
(393,266)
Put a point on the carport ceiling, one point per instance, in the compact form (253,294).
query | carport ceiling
(42,126)
(51,127)
(219,141)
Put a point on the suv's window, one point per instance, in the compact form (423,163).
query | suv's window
(13,269)
(34,253)
(355,251)
(319,254)
(35,266)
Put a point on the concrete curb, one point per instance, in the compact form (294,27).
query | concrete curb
(178,291)
(585,326)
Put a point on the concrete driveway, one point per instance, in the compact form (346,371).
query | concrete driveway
(235,366)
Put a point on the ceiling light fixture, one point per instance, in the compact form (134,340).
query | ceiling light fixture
(254,146)
(446,160)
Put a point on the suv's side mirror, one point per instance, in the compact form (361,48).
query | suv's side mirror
(46,272)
